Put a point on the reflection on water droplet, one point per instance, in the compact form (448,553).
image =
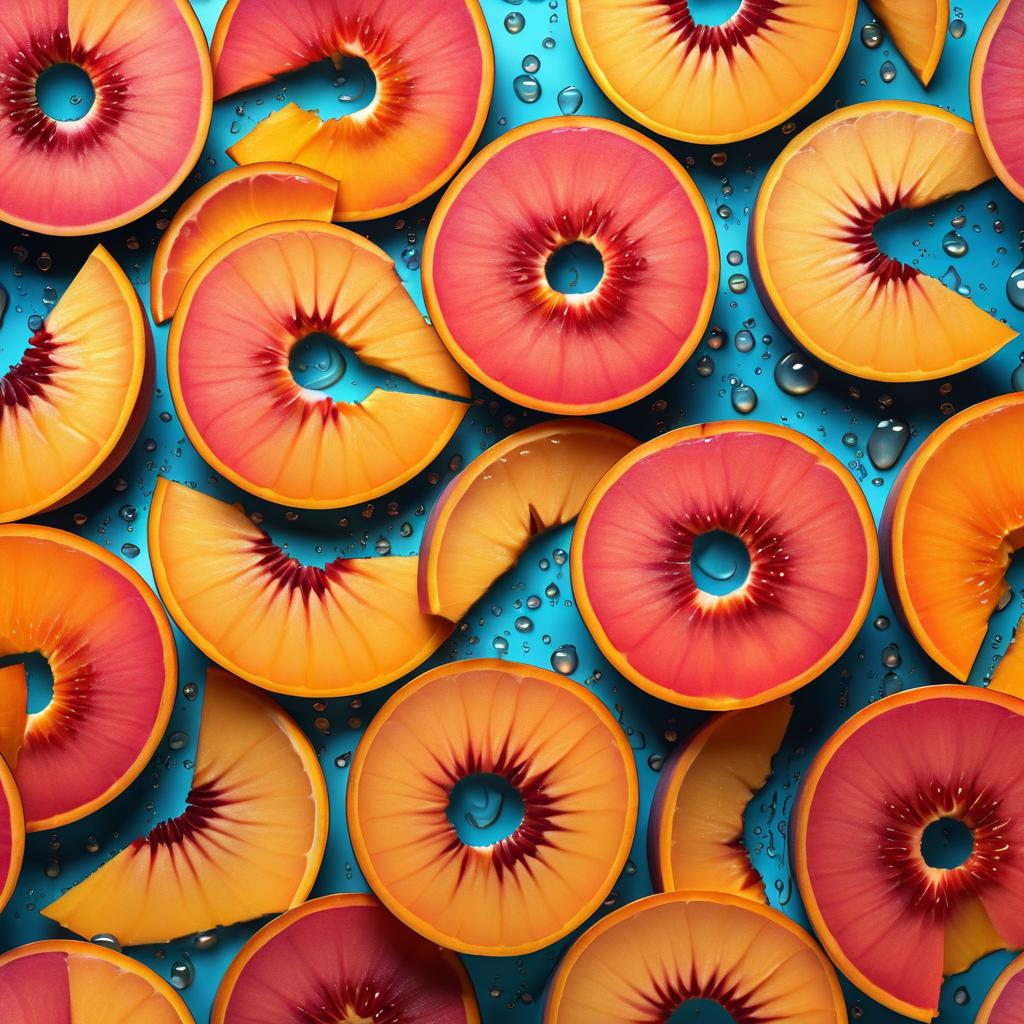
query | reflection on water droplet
(177,740)
(744,398)
(524,624)
(182,974)
(961,996)
(795,374)
(531,64)
(560,555)
(725,212)
(500,644)
(35,322)
(957,28)
(705,366)
(570,99)
(744,341)
(891,657)
(1015,287)
(129,550)
(951,279)
(891,683)
(514,23)
(734,258)
(565,659)
(738,283)
(887,441)
(871,35)
(887,71)
(526,88)
(953,244)
(106,941)
(205,940)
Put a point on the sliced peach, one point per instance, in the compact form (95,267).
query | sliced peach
(711,83)
(232,203)
(13,711)
(1004,1003)
(917,29)
(74,404)
(150,70)
(782,504)
(532,480)
(12,830)
(552,742)
(249,842)
(348,627)
(434,71)
(238,320)
(695,837)
(818,267)
(110,651)
(646,960)
(535,191)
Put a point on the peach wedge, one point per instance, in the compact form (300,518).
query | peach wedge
(12,827)
(917,29)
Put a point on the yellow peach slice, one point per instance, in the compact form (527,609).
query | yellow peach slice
(918,31)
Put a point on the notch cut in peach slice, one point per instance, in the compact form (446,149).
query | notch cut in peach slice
(1004,1003)
(249,842)
(560,754)
(917,29)
(481,524)
(893,921)
(231,203)
(240,317)
(803,562)
(63,981)
(111,654)
(345,956)
(695,837)
(348,627)
(74,404)
(434,74)
(818,267)
(543,188)
(710,83)
(12,828)
(149,69)
(951,524)
(645,960)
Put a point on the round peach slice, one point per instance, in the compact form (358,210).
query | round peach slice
(231,203)
(74,404)
(111,654)
(63,981)
(249,842)
(1004,1003)
(818,267)
(12,828)
(348,627)
(241,315)
(711,83)
(434,71)
(778,503)
(485,518)
(695,837)
(893,920)
(560,754)
(917,29)
(645,961)
(149,69)
(344,958)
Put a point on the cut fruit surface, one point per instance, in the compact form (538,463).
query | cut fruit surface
(784,504)
(710,83)
(917,29)
(12,827)
(240,317)
(350,626)
(1004,1003)
(818,267)
(63,981)
(951,524)
(111,654)
(891,921)
(695,837)
(74,404)
(434,71)
(249,842)
(540,189)
(555,744)
(647,959)
(481,524)
(149,69)
(230,204)
(344,958)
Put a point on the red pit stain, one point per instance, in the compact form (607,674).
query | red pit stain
(752,19)
(29,378)
(859,234)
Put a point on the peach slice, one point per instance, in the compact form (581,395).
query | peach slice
(74,404)
(110,651)
(12,828)
(149,67)
(434,71)
(62,981)
(249,842)
(818,267)
(240,316)
(893,921)
(646,960)
(695,837)
(13,711)
(918,31)
(541,189)
(348,958)
(554,744)
(1004,1003)
(951,523)
(532,480)
(348,627)
(709,83)
(777,501)
(231,203)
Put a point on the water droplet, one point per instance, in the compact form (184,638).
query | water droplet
(795,374)
(961,996)
(570,99)
(734,258)
(1015,287)
(744,398)
(182,974)
(35,322)
(655,761)
(551,592)
(882,622)
(891,683)
(52,868)
(887,441)
(891,657)
(533,602)
(957,28)
(560,555)
(177,740)
(204,940)
(383,546)
(527,88)
(953,244)
(190,690)
(524,624)
(129,550)
(887,71)
(500,644)
(705,366)
(951,279)
(871,35)
(549,43)
(564,659)
(531,64)
(738,283)
(850,440)
(106,941)
(342,760)
(725,212)
(514,23)
(744,341)
(45,261)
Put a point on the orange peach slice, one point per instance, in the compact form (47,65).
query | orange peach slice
(555,744)
(232,203)
(1004,1003)
(74,404)
(249,842)
(12,829)
(13,711)
(818,267)
(918,31)
(485,518)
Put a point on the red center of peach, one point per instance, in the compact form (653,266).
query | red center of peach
(858,232)
(29,378)
(753,17)
(202,805)
(289,573)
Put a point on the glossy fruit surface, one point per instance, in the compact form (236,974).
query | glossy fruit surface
(12,827)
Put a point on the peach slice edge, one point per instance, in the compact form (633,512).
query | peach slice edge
(9,794)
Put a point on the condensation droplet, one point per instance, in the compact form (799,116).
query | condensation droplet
(887,72)
(526,88)
(570,99)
